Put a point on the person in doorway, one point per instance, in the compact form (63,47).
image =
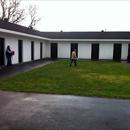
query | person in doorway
(73,58)
(9,54)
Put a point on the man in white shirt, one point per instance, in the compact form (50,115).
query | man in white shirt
(73,58)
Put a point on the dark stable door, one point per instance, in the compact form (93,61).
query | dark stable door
(128,48)
(53,50)
(1,51)
(117,52)
(74,46)
(20,48)
(32,50)
(41,50)
(95,52)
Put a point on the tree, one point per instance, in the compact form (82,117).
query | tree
(10,11)
(33,16)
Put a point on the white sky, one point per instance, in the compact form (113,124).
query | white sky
(82,15)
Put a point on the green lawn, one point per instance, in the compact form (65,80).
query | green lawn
(89,78)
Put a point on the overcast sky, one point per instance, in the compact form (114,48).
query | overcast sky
(82,15)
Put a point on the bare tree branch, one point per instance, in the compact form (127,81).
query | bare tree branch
(3,8)
(33,16)
(10,10)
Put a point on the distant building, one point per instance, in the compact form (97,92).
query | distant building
(30,44)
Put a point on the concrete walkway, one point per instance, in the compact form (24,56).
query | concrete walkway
(15,69)
(23,111)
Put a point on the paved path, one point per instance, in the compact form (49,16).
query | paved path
(15,69)
(23,111)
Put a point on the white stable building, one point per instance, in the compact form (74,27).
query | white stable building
(30,45)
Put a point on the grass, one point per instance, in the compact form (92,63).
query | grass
(89,78)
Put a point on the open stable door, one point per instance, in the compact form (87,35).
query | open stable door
(74,46)
(54,50)
(32,50)
(41,50)
(20,50)
(117,52)
(95,52)
(2,54)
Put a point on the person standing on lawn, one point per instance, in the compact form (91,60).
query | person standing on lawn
(73,58)
(9,54)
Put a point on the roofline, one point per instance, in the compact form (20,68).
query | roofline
(86,31)
(91,40)
(51,39)
(22,34)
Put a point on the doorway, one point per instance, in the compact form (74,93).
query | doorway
(128,48)
(32,50)
(54,50)
(95,52)
(2,56)
(117,52)
(20,50)
(41,50)
(74,46)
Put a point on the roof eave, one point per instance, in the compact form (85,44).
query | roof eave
(92,40)
(51,39)
(22,34)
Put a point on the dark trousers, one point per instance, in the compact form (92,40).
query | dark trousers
(9,61)
(73,61)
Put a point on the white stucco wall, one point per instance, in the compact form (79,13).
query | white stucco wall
(124,51)
(106,50)
(48,50)
(63,50)
(84,50)
(36,50)
(26,50)
(13,43)
(43,49)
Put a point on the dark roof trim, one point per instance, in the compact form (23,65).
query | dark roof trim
(87,35)
(65,35)
(19,28)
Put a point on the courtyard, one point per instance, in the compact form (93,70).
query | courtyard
(90,78)
(51,95)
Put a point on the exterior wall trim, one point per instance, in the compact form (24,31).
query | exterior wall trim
(91,40)
(22,34)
